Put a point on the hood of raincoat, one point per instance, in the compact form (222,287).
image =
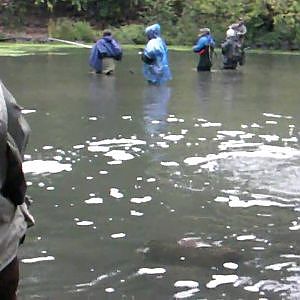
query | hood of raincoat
(153,31)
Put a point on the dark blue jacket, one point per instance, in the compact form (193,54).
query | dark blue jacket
(105,47)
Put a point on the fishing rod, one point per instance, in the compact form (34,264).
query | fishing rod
(71,43)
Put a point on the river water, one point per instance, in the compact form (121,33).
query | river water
(113,163)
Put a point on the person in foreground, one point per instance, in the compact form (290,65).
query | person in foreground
(232,51)
(155,57)
(14,215)
(104,53)
(204,47)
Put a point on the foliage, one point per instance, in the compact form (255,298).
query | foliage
(130,34)
(270,23)
(67,29)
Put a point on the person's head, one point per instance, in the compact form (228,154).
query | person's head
(230,33)
(107,32)
(153,31)
(241,21)
(204,31)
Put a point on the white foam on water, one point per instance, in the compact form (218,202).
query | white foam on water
(163,145)
(186,283)
(94,200)
(141,200)
(93,118)
(127,118)
(271,122)
(84,223)
(151,271)
(47,147)
(136,213)
(119,155)
(174,137)
(290,255)
(115,162)
(50,188)
(280,266)
(262,151)
(119,142)
(118,235)
(28,111)
(186,294)
(45,166)
(295,227)
(221,279)
(246,237)
(78,146)
(172,119)
(231,133)
(37,259)
(98,148)
(291,139)
(210,124)
(272,115)
(221,199)
(155,122)
(255,125)
(114,192)
(151,179)
(230,265)
(169,163)
(269,137)
(103,172)
(250,203)
(58,158)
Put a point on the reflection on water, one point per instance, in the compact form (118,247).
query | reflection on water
(212,158)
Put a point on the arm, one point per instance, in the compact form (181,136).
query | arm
(202,43)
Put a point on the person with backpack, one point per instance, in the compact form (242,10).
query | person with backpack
(155,57)
(104,53)
(14,215)
(204,48)
(232,51)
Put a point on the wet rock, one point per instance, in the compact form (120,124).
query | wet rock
(190,251)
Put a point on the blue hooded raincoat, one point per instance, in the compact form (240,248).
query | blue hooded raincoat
(156,66)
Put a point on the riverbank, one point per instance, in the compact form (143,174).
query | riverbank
(44,46)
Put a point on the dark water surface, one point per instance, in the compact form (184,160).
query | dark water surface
(114,163)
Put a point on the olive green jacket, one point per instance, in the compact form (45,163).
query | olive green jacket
(14,215)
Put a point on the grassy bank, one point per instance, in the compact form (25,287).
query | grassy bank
(22,49)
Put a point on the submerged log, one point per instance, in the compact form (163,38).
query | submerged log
(187,252)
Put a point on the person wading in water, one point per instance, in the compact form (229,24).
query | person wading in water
(14,215)
(204,47)
(104,53)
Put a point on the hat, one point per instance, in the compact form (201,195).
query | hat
(230,33)
(153,31)
(106,32)
(204,30)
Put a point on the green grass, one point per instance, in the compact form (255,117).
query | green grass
(22,49)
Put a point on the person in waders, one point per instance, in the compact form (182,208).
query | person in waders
(14,215)
(155,57)
(204,48)
(232,52)
(104,53)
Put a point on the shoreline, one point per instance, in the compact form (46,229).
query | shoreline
(45,46)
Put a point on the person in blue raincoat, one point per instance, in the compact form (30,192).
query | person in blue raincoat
(204,47)
(155,57)
(104,53)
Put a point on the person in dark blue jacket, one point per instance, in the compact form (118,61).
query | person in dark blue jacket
(204,47)
(104,53)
